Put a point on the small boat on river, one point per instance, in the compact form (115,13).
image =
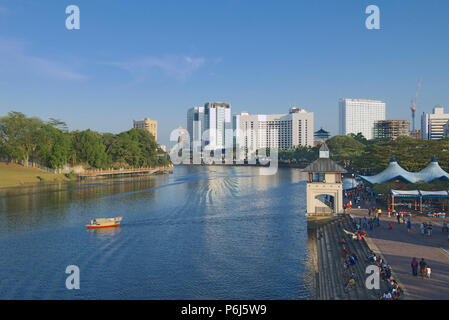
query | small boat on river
(104,223)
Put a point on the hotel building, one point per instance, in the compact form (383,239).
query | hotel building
(359,115)
(278,131)
(147,124)
(432,125)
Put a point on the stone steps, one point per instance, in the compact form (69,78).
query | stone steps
(338,263)
(354,293)
(333,260)
(321,281)
(363,248)
(331,263)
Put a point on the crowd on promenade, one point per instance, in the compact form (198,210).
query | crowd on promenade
(361,226)
(394,291)
(377,215)
(358,233)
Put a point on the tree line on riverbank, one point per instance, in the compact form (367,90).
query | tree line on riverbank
(51,144)
(370,157)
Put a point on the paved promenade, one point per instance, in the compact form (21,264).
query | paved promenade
(399,247)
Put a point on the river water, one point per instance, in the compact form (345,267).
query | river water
(200,233)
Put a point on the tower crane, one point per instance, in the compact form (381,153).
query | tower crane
(413,107)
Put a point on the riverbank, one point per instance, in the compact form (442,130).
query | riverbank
(16,175)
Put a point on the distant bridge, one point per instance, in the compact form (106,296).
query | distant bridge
(100,173)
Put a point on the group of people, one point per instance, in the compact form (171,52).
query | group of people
(355,196)
(400,217)
(424,269)
(426,228)
(366,224)
(394,291)
(350,260)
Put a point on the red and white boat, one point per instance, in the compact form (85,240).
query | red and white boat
(104,223)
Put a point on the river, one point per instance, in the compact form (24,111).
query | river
(200,233)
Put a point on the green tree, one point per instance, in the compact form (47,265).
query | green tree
(55,144)
(88,147)
(19,136)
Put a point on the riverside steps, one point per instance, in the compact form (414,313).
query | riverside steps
(330,261)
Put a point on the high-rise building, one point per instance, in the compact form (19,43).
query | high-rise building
(279,131)
(218,123)
(147,124)
(391,129)
(196,125)
(358,116)
(446,130)
(210,126)
(432,125)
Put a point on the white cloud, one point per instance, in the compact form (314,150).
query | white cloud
(14,60)
(173,66)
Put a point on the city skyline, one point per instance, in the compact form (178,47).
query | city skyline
(123,68)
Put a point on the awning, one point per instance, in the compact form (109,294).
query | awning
(435,194)
(405,193)
(419,194)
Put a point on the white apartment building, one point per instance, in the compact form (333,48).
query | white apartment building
(279,131)
(359,115)
(432,125)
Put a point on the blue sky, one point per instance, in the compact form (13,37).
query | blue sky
(134,59)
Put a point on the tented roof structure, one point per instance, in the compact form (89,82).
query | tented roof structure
(432,171)
(394,171)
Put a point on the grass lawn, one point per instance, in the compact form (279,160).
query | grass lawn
(12,175)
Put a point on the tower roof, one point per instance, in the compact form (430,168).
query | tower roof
(324,164)
(324,147)
(321,131)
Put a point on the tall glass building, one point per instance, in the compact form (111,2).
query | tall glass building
(210,126)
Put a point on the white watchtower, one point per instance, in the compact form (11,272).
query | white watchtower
(324,186)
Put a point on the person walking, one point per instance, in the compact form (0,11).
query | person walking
(398,217)
(414,266)
(409,225)
(422,267)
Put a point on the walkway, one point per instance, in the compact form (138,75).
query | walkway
(100,172)
(399,247)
